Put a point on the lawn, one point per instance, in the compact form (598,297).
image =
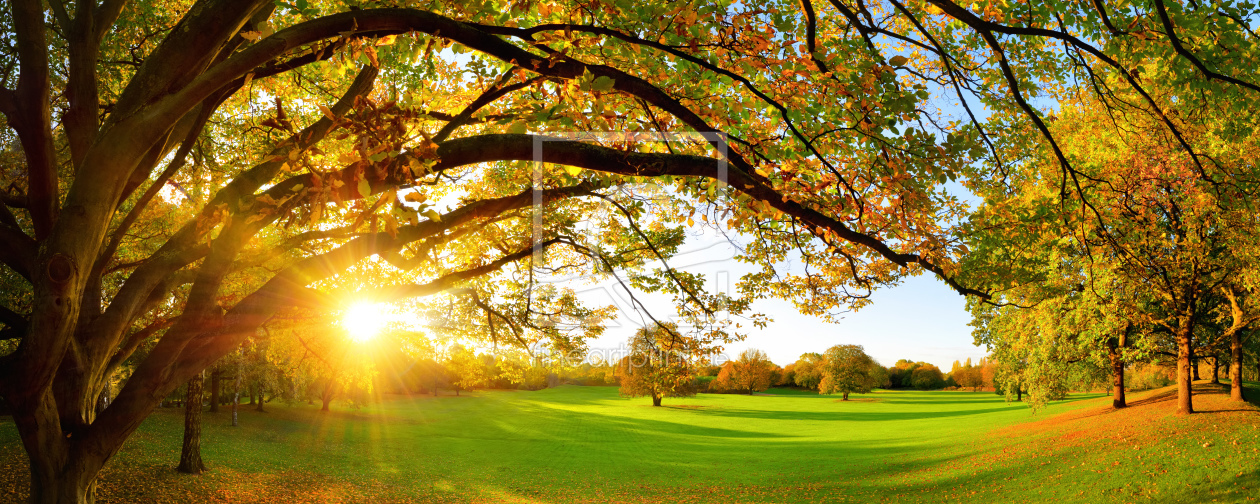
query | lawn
(586,444)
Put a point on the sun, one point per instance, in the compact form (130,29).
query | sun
(363,321)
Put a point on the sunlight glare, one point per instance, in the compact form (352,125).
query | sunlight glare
(363,321)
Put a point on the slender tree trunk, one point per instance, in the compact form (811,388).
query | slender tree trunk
(262,396)
(1019,394)
(236,394)
(1185,356)
(190,458)
(1236,366)
(1117,373)
(1216,370)
(1194,361)
(215,378)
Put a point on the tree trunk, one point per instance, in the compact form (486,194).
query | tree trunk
(1117,373)
(236,395)
(656,400)
(1235,366)
(1019,394)
(328,394)
(1194,362)
(190,458)
(71,487)
(1216,370)
(215,378)
(845,397)
(1185,355)
(262,396)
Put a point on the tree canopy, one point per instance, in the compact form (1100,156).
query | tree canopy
(179,173)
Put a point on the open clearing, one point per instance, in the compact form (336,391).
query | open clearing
(586,444)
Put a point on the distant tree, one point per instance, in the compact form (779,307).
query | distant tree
(657,366)
(988,369)
(901,373)
(431,375)
(847,369)
(787,376)
(879,377)
(808,372)
(751,372)
(465,370)
(927,377)
(968,376)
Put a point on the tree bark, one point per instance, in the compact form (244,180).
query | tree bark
(262,398)
(845,397)
(1236,366)
(1216,370)
(1185,355)
(656,400)
(1117,371)
(1194,361)
(190,457)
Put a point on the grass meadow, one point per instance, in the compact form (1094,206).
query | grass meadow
(587,444)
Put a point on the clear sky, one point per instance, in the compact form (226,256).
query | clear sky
(920,319)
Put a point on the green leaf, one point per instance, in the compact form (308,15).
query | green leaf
(364,188)
(433,216)
(898,60)
(602,84)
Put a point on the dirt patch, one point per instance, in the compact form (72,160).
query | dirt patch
(860,399)
(688,406)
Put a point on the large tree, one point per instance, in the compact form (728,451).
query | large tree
(291,169)
(847,370)
(659,364)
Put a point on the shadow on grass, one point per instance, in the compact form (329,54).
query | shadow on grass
(863,416)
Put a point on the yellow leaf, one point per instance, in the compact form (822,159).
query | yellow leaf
(415,197)
(251,35)
(386,40)
(573,170)
(327,113)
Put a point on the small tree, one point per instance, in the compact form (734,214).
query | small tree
(465,370)
(657,365)
(847,369)
(752,372)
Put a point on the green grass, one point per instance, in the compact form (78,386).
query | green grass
(576,444)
